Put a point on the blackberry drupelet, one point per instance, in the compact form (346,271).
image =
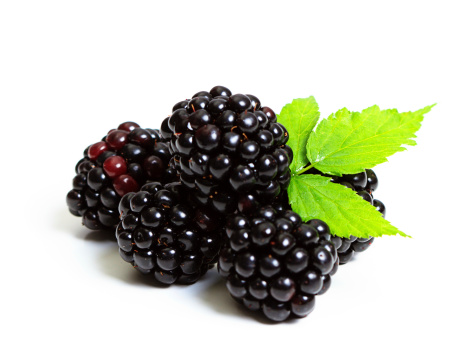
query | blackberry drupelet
(364,183)
(275,263)
(162,234)
(120,163)
(227,146)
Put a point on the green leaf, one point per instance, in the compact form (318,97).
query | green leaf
(346,213)
(350,142)
(299,118)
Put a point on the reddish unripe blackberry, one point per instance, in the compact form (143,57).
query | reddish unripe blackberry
(227,145)
(161,233)
(118,164)
(275,263)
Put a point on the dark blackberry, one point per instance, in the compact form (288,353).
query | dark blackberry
(228,144)
(364,183)
(275,263)
(163,234)
(122,162)
(353,245)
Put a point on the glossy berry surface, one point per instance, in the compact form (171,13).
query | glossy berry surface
(364,184)
(122,162)
(276,264)
(226,145)
(161,234)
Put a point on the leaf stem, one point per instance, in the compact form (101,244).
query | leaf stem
(306,169)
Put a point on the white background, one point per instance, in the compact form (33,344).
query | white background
(70,71)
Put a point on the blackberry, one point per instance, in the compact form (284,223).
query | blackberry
(364,183)
(275,263)
(162,234)
(120,163)
(228,146)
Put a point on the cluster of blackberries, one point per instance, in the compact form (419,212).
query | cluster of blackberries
(227,146)
(210,187)
(275,263)
(161,233)
(364,183)
(123,161)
